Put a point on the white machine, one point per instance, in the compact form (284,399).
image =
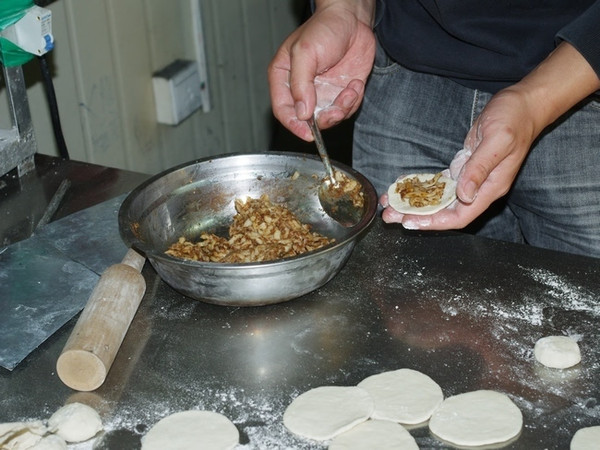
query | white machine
(33,34)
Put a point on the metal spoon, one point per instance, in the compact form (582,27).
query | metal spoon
(336,203)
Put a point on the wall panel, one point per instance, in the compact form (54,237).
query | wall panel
(106,52)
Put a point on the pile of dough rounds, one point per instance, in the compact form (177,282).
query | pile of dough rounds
(72,423)
(372,413)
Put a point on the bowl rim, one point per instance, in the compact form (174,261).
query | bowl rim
(132,240)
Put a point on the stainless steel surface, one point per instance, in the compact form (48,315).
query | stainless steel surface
(199,197)
(464,310)
(17,144)
(41,289)
(335,202)
(47,279)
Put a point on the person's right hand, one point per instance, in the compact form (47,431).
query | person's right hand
(323,65)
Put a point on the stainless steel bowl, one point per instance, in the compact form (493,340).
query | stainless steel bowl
(199,197)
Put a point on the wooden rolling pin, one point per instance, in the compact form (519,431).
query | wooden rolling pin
(101,328)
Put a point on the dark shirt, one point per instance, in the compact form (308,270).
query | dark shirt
(485,44)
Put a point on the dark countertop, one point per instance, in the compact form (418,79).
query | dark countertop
(464,310)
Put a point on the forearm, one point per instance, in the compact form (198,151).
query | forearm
(557,84)
(364,10)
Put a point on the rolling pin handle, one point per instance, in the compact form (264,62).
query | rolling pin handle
(97,336)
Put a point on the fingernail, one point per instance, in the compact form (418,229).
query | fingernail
(300,108)
(411,225)
(348,101)
(469,192)
(416,224)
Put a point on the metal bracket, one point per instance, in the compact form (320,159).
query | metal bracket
(17,145)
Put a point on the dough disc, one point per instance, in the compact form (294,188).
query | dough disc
(374,434)
(405,395)
(477,418)
(402,206)
(586,439)
(327,411)
(75,422)
(192,429)
(557,352)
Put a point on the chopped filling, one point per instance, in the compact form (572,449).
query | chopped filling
(348,187)
(261,231)
(421,193)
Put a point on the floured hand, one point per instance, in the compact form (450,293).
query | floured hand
(324,64)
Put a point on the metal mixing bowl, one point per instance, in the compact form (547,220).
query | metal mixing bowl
(199,197)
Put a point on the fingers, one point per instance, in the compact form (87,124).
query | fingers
(455,217)
(282,100)
(302,80)
(492,161)
(390,215)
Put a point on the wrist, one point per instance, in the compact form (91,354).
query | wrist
(557,84)
(363,10)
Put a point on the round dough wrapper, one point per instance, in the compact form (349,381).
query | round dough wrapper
(324,412)
(405,395)
(557,352)
(477,418)
(75,422)
(375,434)
(586,439)
(402,206)
(193,429)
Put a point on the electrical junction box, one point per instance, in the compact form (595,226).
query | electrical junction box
(33,31)
(177,91)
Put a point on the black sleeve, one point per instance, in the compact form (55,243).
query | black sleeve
(584,34)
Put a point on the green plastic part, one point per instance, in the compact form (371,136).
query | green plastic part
(11,12)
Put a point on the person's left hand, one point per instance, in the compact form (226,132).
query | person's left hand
(495,149)
(502,135)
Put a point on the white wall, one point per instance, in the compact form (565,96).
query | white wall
(106,52)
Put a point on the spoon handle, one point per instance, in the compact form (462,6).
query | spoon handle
(312,123)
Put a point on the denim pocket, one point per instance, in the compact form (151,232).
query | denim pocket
(383,63)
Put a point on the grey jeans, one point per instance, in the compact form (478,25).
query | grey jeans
(415,122)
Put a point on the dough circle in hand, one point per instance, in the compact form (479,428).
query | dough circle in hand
(192,429)
(586,439)
(403,206)
(374,434)
(75,422)
(405,395)
(557,352)
(324,412)
(477,418)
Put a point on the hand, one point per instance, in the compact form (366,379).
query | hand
(324,64)
(502,135)
(495,148)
